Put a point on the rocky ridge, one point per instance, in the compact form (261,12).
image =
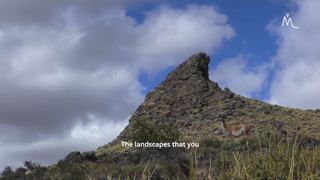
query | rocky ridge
(186,94)
(190,102)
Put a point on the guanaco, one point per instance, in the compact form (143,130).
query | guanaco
(235,130)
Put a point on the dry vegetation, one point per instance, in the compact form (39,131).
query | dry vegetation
(271,157)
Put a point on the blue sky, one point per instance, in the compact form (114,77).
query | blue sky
(73,71)
(248,18)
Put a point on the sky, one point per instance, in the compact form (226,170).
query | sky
(72,71)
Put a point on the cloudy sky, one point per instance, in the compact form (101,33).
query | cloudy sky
(72,71)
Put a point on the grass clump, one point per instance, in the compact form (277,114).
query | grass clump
(129,171)
(254,143)
(280,160)
(160,107)
(210,142)
(196,111)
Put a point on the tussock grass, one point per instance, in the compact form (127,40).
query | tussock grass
(282,159)
(272,157)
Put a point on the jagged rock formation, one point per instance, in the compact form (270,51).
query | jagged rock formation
(188,100)
(186,94)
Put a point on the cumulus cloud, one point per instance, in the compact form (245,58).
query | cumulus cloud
(64,62)
(298,58)
(52,149)
(171,34)
(235,74)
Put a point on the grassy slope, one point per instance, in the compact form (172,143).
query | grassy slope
(263,118)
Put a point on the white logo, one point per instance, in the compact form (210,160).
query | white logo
(288,21)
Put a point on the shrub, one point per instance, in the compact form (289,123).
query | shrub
(206,141)
(7,173)
(144,131)
(107,160)
(31,171)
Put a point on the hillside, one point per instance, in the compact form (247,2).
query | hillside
(191,103)
(188,101)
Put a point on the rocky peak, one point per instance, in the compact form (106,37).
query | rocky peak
(186,94)
(191,73)
(196,64)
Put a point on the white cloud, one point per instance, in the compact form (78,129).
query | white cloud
(51,150)
(235,74)
(296,82)
(172,35)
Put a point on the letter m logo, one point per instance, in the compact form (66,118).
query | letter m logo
(287,21)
